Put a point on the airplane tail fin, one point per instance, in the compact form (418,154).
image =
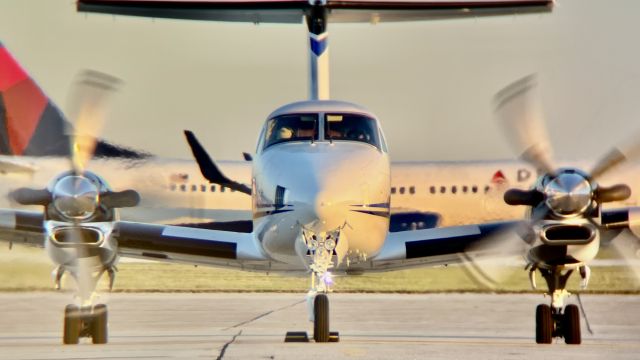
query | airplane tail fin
(32,125)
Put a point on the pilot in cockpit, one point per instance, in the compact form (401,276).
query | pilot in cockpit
(284,133)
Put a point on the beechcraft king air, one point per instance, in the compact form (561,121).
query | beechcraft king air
(319,186)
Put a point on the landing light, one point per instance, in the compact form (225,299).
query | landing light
(330,243)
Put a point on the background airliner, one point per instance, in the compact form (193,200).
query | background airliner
(320,189)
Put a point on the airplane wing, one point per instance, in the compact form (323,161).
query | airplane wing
(447,245)
(412,248)
(190,245)
(22,227)
(292,11)
(185,244)
(10,165)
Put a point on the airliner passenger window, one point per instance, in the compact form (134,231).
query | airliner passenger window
(351,127)
(295,127)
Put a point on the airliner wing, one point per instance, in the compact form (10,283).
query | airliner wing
(292,11)
(12,165)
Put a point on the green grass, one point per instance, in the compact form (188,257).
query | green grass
(25,269)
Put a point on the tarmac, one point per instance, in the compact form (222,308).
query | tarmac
(371,326)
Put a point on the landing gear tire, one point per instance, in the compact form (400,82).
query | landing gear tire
(571,325)
(99,324)
(85,322)
(544,324)
(72,325)
(321,318)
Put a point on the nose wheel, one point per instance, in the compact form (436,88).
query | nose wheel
(320,251)
(85,321)
(321,332)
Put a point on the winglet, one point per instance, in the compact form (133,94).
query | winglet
(209,169)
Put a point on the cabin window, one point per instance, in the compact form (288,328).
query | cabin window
(213,188)
(487,188)
(291,127)
(412,190)
(443,189)
(173,187)
(203,188)
(474,189)
(351,127)
(432,189)
(183,187)
(393,190)
(222,188)
(465,188)
(401,189)
(454,189)
(194,187)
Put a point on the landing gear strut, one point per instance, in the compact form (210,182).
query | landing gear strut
(557,320)
(85,321)
(321,250)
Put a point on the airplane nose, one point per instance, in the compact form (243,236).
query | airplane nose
(329,211)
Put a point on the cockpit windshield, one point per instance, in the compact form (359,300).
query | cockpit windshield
(294,127)
(352,127)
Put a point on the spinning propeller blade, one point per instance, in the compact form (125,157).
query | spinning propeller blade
(518,110)
(88,105)
(559,193)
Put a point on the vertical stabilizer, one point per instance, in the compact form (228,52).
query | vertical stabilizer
(318,53)
(30,124)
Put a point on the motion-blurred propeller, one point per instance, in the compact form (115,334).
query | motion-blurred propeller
(559,193)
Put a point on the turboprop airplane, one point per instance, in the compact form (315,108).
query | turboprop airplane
(308,212)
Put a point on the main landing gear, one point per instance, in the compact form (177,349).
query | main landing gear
(557,320)
(321,249)
(85,321)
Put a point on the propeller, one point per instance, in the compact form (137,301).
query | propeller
(559,193)
(565,191)
(78,196)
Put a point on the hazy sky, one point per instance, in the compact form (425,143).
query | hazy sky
(430,83)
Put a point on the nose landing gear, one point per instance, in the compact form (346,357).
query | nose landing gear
(321,250)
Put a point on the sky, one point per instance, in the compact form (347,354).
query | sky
(430,83)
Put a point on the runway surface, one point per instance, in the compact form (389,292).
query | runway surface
(372,326)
